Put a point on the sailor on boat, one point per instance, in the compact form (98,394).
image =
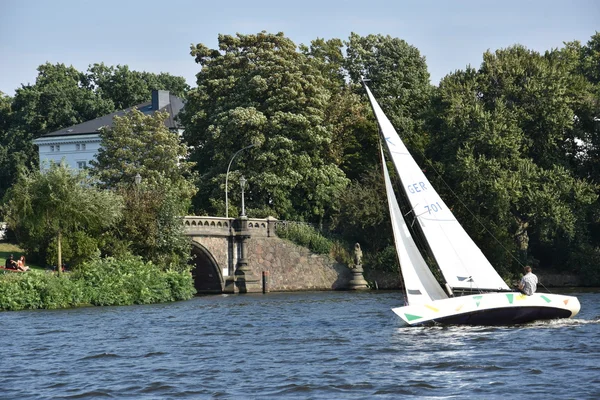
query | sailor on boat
(528,284)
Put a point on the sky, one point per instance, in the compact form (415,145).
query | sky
(155,36)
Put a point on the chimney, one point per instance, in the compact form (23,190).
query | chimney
(160,99)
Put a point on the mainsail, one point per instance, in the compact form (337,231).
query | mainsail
(462,263)
(420,284)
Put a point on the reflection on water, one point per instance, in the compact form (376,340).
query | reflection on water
(318,345)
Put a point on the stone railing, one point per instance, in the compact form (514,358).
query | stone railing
(219,226)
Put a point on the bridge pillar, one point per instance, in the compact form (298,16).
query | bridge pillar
(245,281)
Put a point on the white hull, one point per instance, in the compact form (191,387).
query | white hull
(491,309)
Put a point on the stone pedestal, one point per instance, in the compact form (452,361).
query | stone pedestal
(229,285)
(358,281)
(245,281)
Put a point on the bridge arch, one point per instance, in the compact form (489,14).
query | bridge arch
(207,274)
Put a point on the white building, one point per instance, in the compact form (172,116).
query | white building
(77,145)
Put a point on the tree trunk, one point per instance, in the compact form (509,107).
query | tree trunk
(522,239)
(59,266)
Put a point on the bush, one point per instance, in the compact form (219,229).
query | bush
(101,282)
(304,235)
(35,289)
(384,260)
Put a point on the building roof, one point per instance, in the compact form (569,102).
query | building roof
(162,100)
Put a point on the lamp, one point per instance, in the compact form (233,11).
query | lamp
(243,186)
(227,178)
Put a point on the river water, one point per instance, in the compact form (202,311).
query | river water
(312,345)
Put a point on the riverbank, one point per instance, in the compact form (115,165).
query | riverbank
(104,282)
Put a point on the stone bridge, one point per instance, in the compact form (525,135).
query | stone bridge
(242,255)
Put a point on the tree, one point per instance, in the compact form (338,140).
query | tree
(348,116)
(501,136)
(398,78)
(63,96)
(258,89)
(60,202)
(142,144)
(126,88)
(7,152)
(59,98)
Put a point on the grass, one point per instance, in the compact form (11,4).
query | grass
(6,249)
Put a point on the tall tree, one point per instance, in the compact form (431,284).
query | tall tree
(63,96)
(58,99)
(8,154)
(60,202)
(348,117)
(142,144)
(258,89)
(127,88)
(399,80)
(501,135)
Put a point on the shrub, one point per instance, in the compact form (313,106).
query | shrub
(101,282)
(304,235)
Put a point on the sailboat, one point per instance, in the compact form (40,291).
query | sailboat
(482,297)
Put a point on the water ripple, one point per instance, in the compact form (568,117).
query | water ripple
(99,356)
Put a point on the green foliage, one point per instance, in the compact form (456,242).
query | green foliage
(77,247)
(384,260)
(502,137)
(142,144)
(100,282)
(151,225)
(132,281)
(364,215)
(398,78)
(258,89)
(45,206)
(59,98)
(126,88)
(63,96)
(306,236)
(31,290)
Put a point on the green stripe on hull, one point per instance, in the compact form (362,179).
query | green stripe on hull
(545,298)
(477,300)
(510,297)
(411,317)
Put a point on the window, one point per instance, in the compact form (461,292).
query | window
(51,148)
(81,164)
(76,147)
(57,148)
(83,146)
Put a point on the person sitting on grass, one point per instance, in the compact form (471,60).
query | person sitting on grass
(10,263)
(21,264)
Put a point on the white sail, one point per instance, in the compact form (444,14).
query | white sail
(462,263)
(421,286)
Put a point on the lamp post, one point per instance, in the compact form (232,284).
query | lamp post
(243,186)
(137,179)
(227,178)
(242,272)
